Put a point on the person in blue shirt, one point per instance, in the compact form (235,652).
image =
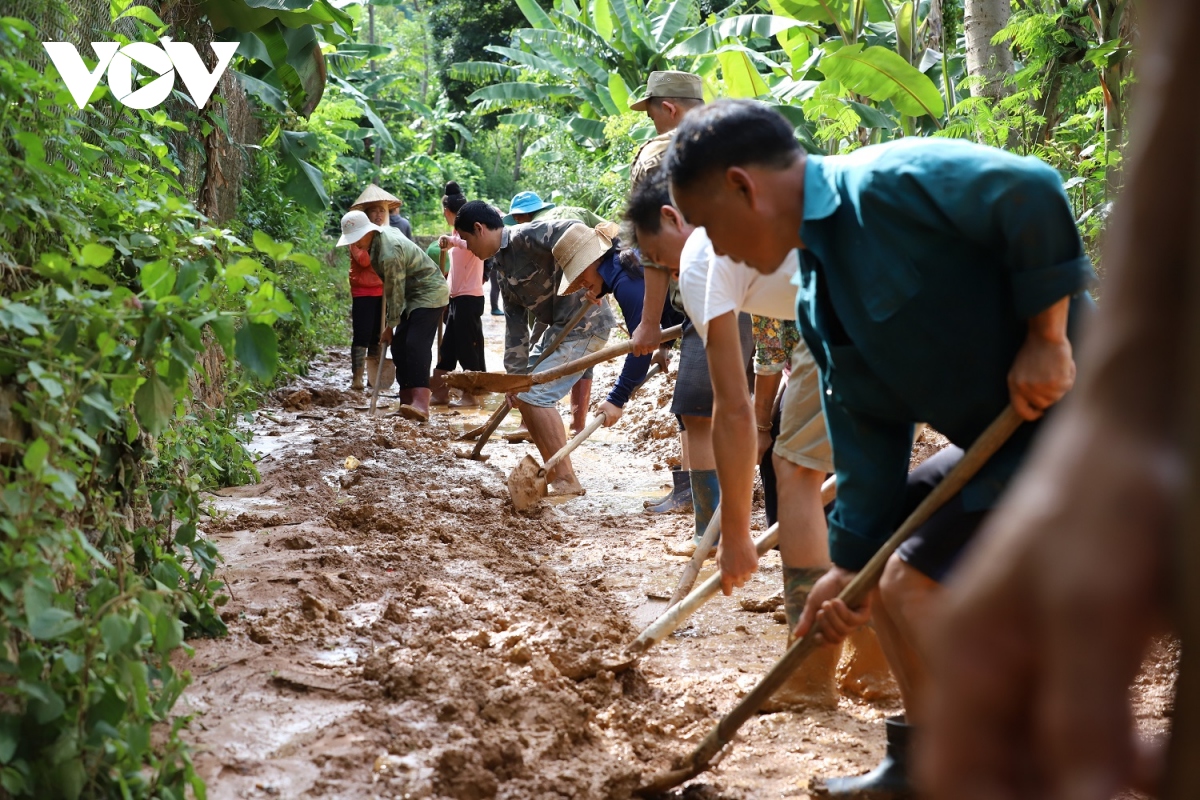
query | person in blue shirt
(593,261)
(939,281)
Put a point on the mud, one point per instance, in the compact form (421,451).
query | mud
(397,630)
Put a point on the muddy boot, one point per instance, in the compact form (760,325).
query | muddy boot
(679,501)
(416,406)
(440,390)
(888,781)
(813,684)
(358,363)
(864,671)
(706,493)
(581,398)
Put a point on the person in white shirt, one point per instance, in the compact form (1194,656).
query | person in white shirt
(715,290)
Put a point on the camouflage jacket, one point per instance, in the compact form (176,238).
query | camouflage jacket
(410,279)
(529,280)
(649,157)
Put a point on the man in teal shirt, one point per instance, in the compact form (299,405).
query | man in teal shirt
(938,282)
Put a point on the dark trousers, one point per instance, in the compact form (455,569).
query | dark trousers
(495,282)
(366,320)
(412,346)
(462,343)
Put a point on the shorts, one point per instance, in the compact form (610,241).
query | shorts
(936,546)
(547,395)
(412,346)
(803,439)
(693,385)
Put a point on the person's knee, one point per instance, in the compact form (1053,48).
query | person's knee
(697,425)
(895,584)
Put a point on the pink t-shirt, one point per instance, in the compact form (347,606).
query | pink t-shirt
(466,270)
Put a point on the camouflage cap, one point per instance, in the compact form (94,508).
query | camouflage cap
(670,83)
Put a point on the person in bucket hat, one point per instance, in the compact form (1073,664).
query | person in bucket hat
(529,207)
(592,260)
(366,305)
(415,296)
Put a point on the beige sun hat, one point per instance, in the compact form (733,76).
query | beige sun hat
(373,194)
(670,83)
(576,250)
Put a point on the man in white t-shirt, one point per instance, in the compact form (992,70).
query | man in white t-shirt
(715,290)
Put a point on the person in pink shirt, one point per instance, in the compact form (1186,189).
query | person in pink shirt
(462,343)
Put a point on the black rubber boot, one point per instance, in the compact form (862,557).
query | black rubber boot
(679,501)
(706,494)
(888,781)
(670,493)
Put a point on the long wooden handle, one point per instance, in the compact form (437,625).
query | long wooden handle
(688,579)
(591,427)
(675,614)
(853,595)
(382,353)
(598,357)
(485,431)
(489,428)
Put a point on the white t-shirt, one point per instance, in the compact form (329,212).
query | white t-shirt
(713,285)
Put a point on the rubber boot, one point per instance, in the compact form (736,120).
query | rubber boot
(814,683)
(358,362)
(888,781)
(417,406)
(581,399)
(440,390)
(670,492)
(679,501)
(706,493)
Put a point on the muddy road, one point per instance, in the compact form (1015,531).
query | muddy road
(398,631)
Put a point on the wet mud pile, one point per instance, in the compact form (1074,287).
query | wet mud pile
(398,631)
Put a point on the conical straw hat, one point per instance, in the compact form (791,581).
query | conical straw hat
(373,194)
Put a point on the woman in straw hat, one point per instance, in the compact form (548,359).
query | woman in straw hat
(382,208)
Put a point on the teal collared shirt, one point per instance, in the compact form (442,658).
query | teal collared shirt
(923,260)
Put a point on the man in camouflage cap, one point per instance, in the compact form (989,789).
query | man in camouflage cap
(669,96)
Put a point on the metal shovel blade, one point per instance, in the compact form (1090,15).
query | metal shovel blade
(479,382)
(527,484)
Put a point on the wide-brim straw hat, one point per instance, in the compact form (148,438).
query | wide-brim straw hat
(355,225)
(576,250)
(373,194)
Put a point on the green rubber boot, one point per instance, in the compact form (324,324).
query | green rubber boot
(706,493)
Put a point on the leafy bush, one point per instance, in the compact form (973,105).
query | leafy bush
(115,288)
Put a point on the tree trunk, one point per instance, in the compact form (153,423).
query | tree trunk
(520,151)
(1110,23)
(993,63)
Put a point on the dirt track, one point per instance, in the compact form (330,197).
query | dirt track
(398,631)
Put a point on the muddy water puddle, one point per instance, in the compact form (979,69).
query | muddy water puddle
(396,630)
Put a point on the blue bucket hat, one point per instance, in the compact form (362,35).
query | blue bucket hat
(525,203)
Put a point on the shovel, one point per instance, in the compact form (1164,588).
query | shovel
(485,432)
(527,481)
(502,382)
(853,595)
(677,613)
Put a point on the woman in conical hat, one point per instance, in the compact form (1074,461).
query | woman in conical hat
(382,208)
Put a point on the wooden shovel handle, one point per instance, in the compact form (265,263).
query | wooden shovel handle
(382,354)
(853,595)
(591,427)
(489,428)
(598,357)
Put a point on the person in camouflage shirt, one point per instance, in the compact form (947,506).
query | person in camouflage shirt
(415,295)
(529,279)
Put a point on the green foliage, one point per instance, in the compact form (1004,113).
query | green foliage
(115,291)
